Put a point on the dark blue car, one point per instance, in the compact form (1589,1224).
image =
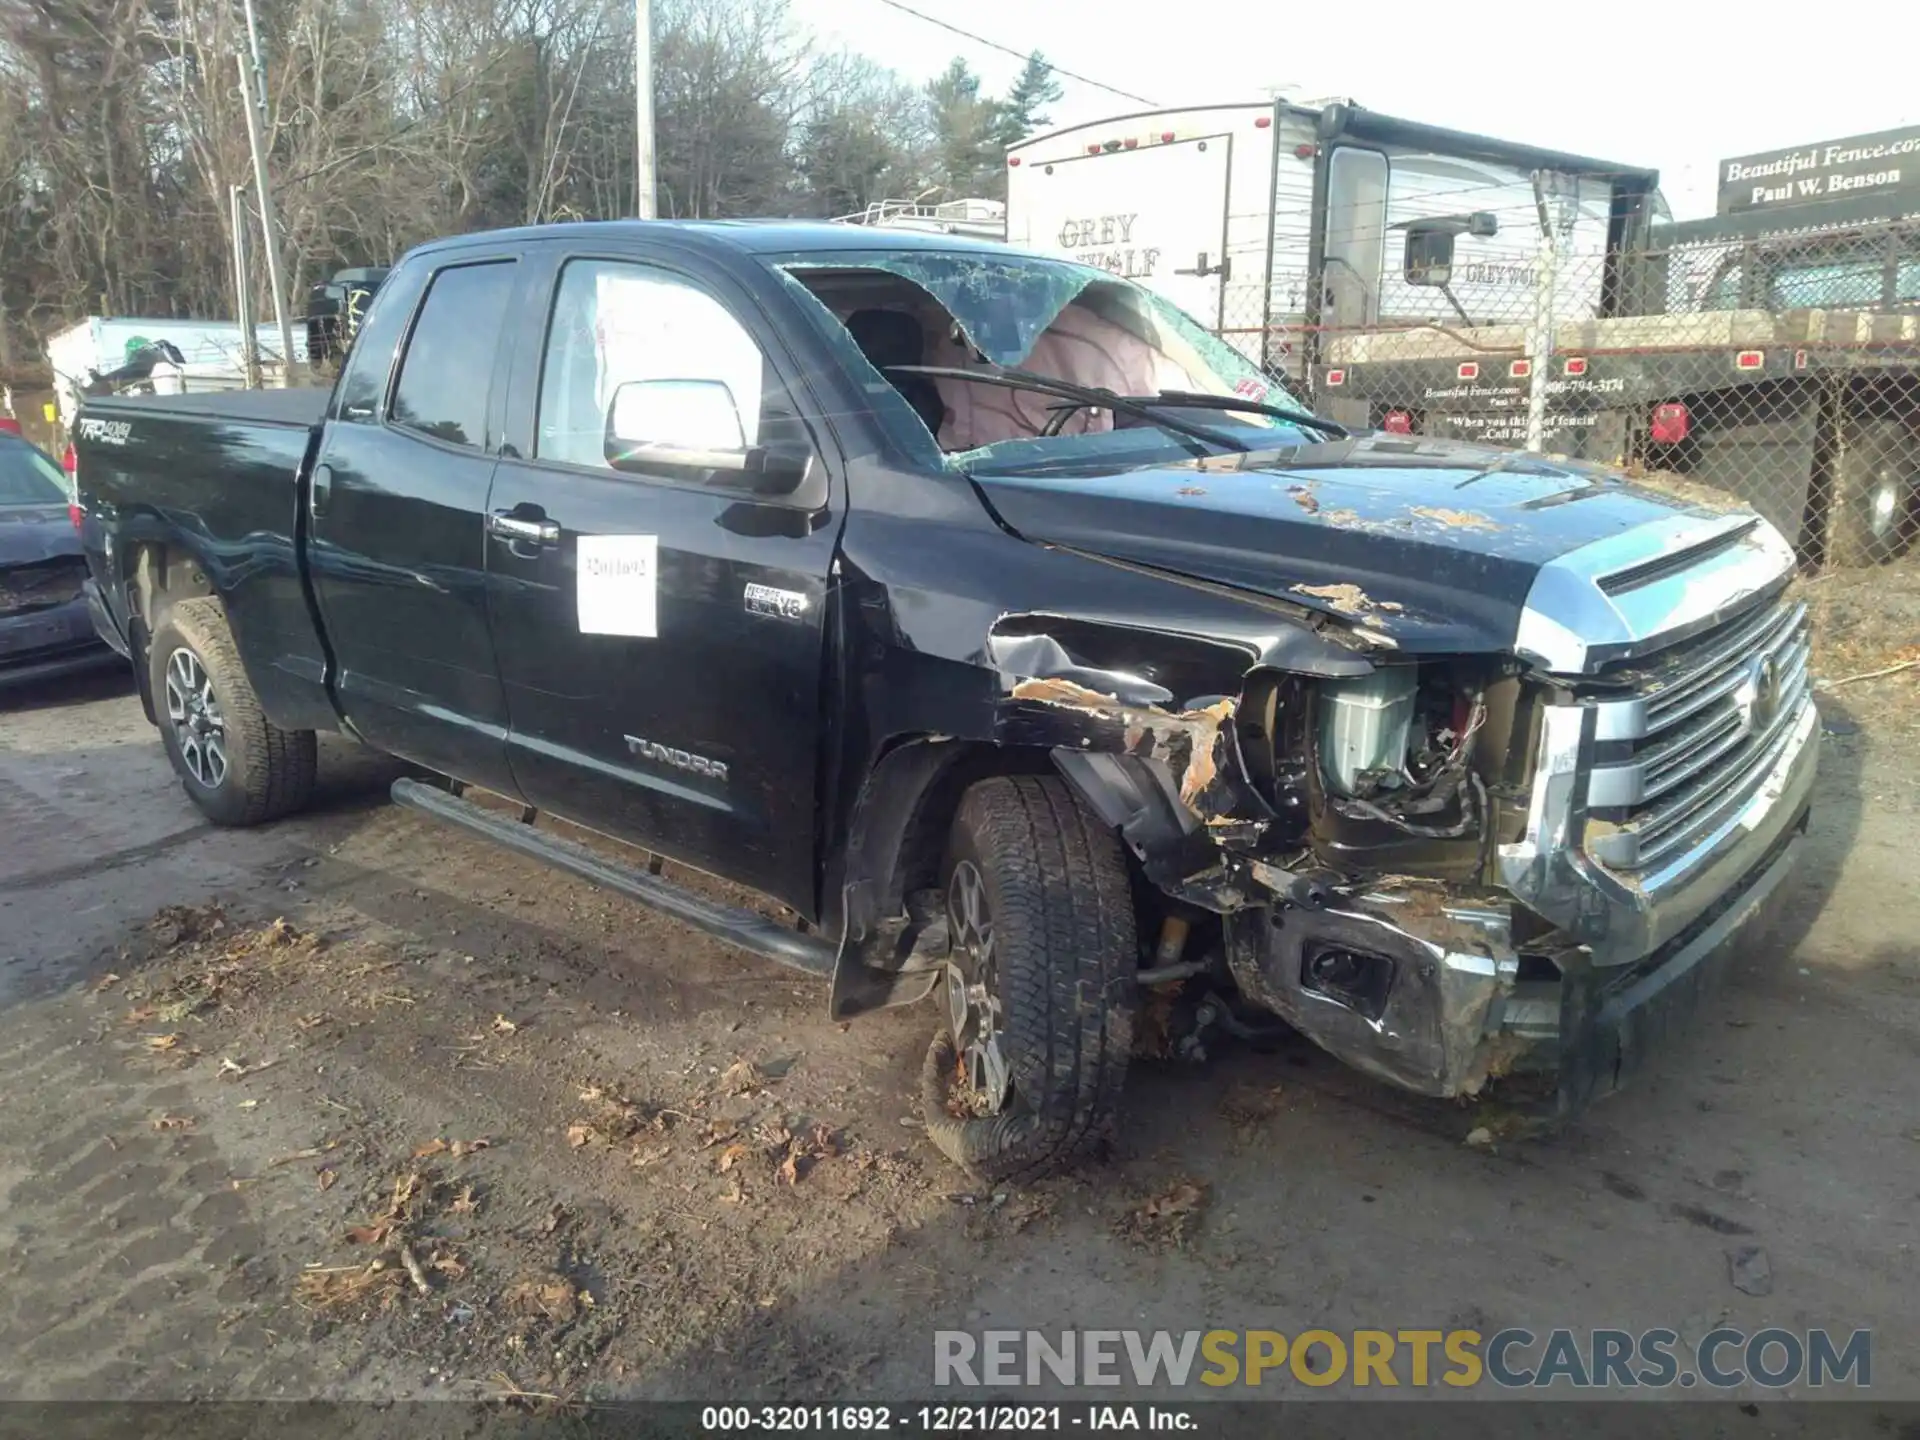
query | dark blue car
(44,626)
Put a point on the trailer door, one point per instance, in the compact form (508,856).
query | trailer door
(1156,214)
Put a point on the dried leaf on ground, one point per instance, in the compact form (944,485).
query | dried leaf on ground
(464,1203)
(580,1133)
(803,1151)
(408,1194)
(334,1289)
(732,1156)
(740,1077)
(1167,1218)
(455,1148)
(174,925)
(232,1069)
(174,1122)
(718,1132)
(503,1026)
(326,1178)
(163,1042)
(105,982)
(553,1296)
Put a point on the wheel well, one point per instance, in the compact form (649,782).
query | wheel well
(160,577)
(924,841)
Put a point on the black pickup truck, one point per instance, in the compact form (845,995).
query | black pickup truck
(1005,628)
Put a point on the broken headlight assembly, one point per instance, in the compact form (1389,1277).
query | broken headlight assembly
(1396,748)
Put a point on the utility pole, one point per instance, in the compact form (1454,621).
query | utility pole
(643,175)
(253,96)
(243,289)
(1555,197)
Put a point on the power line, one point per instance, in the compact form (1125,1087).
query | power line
(1017,54)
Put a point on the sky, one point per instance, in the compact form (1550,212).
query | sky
(1675,86)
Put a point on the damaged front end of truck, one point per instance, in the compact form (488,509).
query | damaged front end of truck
(1445,870)
(1324,848)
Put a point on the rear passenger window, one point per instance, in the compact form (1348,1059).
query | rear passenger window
(448,368)
(370,358)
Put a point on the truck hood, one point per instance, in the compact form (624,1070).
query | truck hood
(1433,543)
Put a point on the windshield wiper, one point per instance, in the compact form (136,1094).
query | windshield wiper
(1146,408)
(1198,401)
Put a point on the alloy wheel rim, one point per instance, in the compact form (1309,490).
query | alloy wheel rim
(975,1015)
(199,727)
(1883,510)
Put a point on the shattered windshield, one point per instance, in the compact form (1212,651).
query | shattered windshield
(890,312)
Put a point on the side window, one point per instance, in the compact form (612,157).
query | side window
(1841,283)
(1906,283)
(615,323)
(1724,292)
(448,368)
(370,354)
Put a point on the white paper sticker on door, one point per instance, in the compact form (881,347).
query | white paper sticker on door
(618,578)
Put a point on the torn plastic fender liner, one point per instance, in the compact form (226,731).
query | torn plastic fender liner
(1186,741)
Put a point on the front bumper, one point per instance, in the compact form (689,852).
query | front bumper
(1463,1002)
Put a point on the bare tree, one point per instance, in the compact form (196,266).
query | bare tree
(391,121)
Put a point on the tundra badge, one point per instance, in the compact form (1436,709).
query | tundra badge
(679,759)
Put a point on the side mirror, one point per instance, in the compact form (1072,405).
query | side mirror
(695,425)
(1429,257)
(1483,225)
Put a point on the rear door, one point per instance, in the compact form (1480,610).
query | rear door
(397,545)
(661,639)
(1156,214)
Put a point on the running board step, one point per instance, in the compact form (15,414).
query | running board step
(746,929)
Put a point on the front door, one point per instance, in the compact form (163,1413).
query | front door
(397,543)
(660,634)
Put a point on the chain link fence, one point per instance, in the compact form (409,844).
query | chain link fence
(1775,366)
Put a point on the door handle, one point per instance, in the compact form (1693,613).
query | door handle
(321,491)
(509,526)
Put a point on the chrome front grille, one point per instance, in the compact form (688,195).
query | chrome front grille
(1681,737)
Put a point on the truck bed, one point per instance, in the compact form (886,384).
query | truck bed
(302,407)
(231,460)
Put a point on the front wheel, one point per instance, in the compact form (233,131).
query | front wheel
(236,765)
(1025,1075)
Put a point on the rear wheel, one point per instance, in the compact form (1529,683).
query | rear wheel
(1025,1075)
(1876,493)
(236,765)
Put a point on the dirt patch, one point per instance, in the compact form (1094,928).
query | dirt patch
(518,1249)
(1866,630)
